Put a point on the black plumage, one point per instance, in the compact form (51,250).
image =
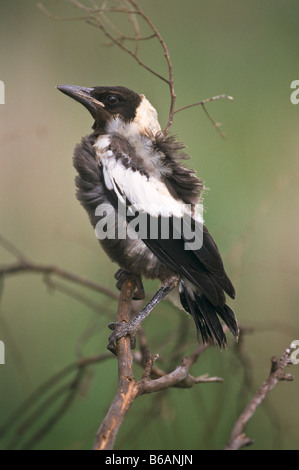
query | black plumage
(128,160)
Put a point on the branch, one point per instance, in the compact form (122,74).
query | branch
(180,377)
(98,17)
(55,270)
(24,265)
(127,390)
(202,104)
(39,402)
(238,438)
(169,65)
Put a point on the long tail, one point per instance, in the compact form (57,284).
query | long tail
(206,317)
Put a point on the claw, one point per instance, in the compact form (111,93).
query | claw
(111,347)
(120,330)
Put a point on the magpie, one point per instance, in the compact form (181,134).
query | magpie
(127,161)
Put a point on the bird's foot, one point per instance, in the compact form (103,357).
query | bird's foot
(120,330)
(121,275)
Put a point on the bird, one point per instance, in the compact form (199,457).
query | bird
(128,166)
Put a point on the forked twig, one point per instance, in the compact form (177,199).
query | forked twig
(97,16)
(24,265)
(238,438)
(203,103)
(152,380)
(37,405)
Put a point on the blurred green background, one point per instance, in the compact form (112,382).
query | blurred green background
(247,49)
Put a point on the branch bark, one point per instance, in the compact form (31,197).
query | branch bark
(127,390)
(238,438)
(26,266)
(98,17)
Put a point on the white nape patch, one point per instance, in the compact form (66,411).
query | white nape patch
(145,122)
(147,117)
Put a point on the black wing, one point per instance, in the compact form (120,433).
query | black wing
(127,183)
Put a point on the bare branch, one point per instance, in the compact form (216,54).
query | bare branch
(207,100)
(95,19)
(24,265)
(39,402)
(98,17)
(238,438)
(30,267)
(95,16)
(127,390)
(180,377)
(169,64)
(12,249)
(42,7)
(72,292)
(203,103)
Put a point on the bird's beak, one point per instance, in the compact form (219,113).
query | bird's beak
(84,96)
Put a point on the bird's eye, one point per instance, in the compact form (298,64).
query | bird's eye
(112,99)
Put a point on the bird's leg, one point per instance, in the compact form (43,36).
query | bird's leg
(123,329)
(121,275)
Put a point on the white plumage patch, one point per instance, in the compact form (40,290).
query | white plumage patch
(102,145)
(142,143)
(147,117)
(146,194)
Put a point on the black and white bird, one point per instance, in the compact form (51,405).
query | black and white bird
(126,162)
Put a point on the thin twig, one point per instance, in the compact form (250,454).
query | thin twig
(36,404)
(30,267)
(170,81)
(238,438)
(203,103)
(98,17)
(12,249)
(25,265)
(94,18)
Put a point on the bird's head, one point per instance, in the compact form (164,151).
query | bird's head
(109,103)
